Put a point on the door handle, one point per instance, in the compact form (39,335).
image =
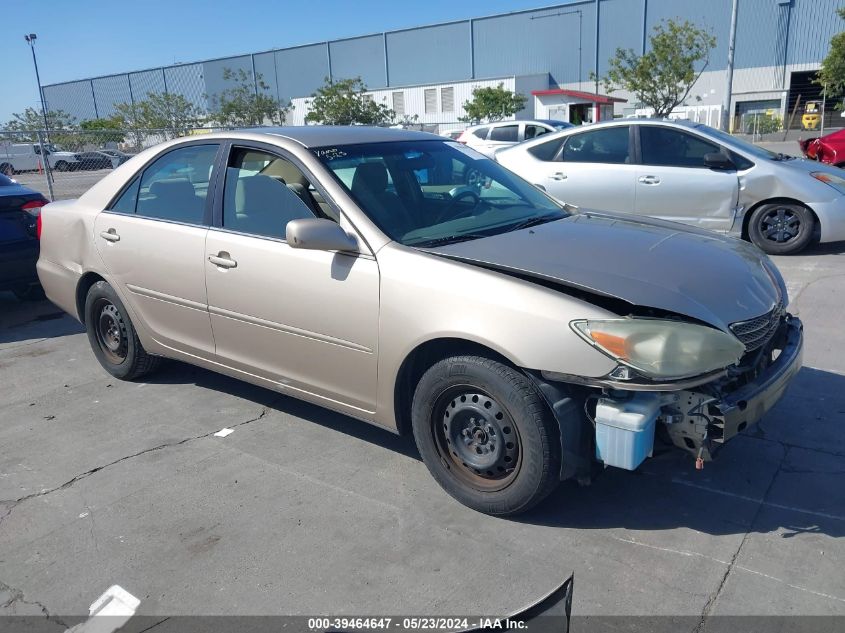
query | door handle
(558,176)
(649,180)
(223,260)
(110,235)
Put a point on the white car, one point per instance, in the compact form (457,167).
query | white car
(16,157)
(688,172)
(490,138)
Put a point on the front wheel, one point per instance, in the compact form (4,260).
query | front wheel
(7,170)
(62,166)
(486,435)
(113,337)
(781,228)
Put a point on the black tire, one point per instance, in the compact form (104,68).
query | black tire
(61,166)
(486,435)
(781,228)
(29,293)
(113,337)
(7,170)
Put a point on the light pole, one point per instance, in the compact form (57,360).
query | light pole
(30,39)
(725,123)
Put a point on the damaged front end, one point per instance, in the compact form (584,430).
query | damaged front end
(621,414)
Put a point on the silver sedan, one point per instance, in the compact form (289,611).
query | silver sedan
(688,172)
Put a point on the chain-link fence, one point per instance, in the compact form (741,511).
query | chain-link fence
(65,163)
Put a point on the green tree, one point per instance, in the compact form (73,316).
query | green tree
(345,102)
(832,73)
(492,104)
(662,78)
(131,119)
(244,106)
(102,131)
(62,128)
(31,120)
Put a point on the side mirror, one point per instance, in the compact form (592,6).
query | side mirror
(319,234)
(717,160)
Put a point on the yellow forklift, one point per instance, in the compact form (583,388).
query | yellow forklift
(812,116)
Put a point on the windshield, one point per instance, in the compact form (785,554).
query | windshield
(745,146)
(426,193)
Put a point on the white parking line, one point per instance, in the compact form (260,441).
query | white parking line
(779,506)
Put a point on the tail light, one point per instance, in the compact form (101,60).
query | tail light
(33,208)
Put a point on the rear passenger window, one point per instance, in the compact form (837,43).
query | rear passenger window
(263,192)
(508,133)
(175,186)
(533,131)
(672,148)
(608,145)
(548,150)
(126,202)
(481,132)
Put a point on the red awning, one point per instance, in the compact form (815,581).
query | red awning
(577,94)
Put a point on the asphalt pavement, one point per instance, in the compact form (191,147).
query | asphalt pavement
(302,511)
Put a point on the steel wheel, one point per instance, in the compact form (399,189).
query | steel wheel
(476,438)
(110,331)
(780,224)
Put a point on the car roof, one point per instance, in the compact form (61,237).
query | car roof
(322,135)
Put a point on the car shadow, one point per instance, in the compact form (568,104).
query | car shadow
(775,477)
(827,248)
(175,372)
(784,475)
(27,320)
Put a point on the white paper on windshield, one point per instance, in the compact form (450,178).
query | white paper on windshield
(475,155)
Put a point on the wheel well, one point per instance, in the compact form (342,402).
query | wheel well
(82,288)
(747,219)
(419,360)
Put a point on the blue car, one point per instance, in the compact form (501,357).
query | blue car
(20,228)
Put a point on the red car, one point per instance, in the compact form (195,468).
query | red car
(828,149)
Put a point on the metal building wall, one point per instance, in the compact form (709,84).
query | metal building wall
(812,24)
(214,70)
(531,42)
(620,26)
(431,54)
(359,57)
(301,70)
(74,97)
(774,37)
(714,15)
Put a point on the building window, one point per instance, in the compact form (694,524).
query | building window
(399,103)
(430,100)
(447,99)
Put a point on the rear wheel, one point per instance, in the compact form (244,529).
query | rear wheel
(781,228)
(113,337)
(62,166)
(7,170)
(485,435)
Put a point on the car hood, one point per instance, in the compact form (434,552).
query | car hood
(647,263)
(809,166)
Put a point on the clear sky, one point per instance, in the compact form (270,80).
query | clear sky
(84,38)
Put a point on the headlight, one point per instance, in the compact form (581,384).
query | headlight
(662,349)
(837,182)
